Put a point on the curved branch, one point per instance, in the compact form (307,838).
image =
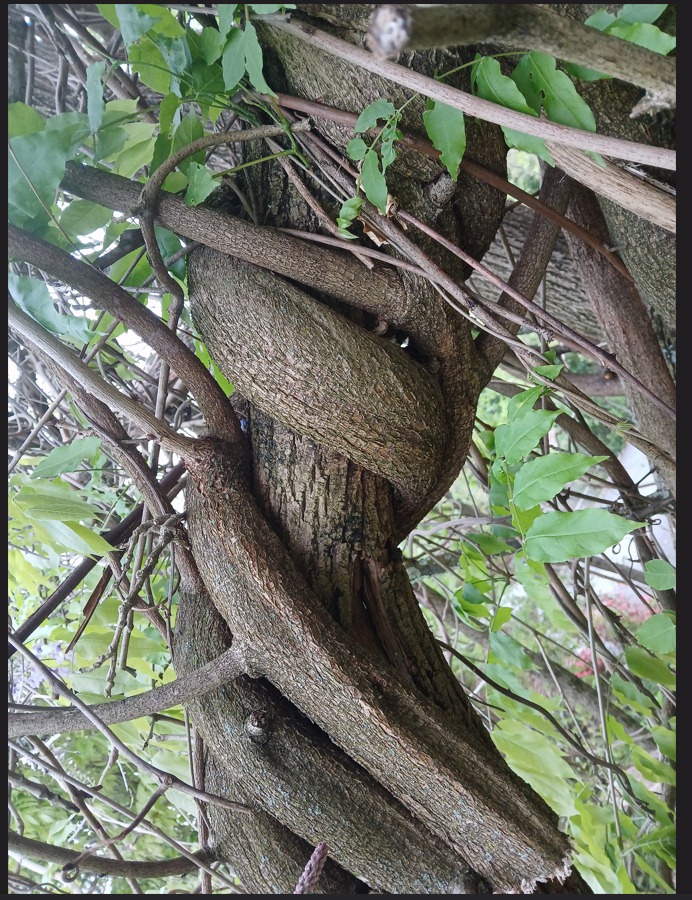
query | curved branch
(526,27)
(33,333)
(39,720)
(474,106)
(122,868)
(115,300)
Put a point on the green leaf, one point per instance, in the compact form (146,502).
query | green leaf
(226,14)
(164,140)
(373,182)
(516,439)
(523,401)
(253,60)
(189,130)
(549,372)
(489,544)
(23,119)
(146,59)
(560,99)
(447,131)
(46,505)
(649,36)
(132,23)
(33,297)
(36,166)
(529,143)
(84,217)
(646,666)
(211,44)
(347,214)
(646,13)
(583,73)
(508,651)
(67,459)
(80,539)
(134,158)
(631,695)
(521,76)
(657,633)
(380,109)
(233,59)
(660,575)
(356,149)
(502,615)
(176,54)
(559,536)
(541,479)
(492,85)
(665,741)
(202,183)
(95,105)
(651,768)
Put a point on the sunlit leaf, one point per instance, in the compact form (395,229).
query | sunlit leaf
(541,479)
(514,440)
(650,667)
(559,536)
(34,298)
(658,633)
(660,575)
(201,184)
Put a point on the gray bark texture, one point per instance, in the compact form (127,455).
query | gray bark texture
(358,721)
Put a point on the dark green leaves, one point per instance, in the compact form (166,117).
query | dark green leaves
(446,130)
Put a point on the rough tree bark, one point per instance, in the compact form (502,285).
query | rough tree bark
(350,437)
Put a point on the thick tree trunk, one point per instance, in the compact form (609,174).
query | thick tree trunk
(352,439)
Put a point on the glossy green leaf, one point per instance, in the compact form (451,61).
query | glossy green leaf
(523,401)
(254,61)
(549,372)
(560,99)
(650,667)
(529,143)
(168,110)
(372,180)
(380,109)
(36,166)
(559,536)
(649,36)
(492,85)
(45,505)
(541,479)
(660,575)
(447,131)
(67,459)
(583,73)
(489,544)
(201,184)
(73,537)
(658,633)
(523,79)
(514,440)
(226,14)
(33,297)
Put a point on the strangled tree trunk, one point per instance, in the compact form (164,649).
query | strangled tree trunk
(352,440)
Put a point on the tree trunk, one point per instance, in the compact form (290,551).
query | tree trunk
(352,439)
